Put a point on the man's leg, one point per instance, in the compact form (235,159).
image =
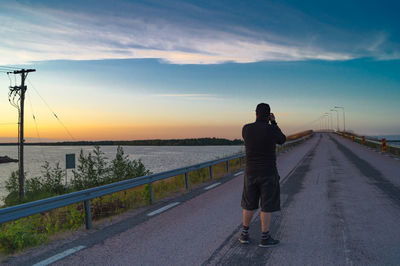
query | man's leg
(250,201)
(270,202)
(247,216)
(266,239)
(265,221)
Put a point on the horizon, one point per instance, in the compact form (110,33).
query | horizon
(193,69)
(4,140)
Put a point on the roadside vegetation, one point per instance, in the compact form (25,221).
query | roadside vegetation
(92,170)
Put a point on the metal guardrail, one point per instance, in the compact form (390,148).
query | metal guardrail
(31,208)
(373,143)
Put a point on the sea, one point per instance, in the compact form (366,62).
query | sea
(155,158)
(389,138)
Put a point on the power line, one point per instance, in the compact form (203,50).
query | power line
(51,110)
(33,116)
(10,67)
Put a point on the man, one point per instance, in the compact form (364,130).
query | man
(261,180)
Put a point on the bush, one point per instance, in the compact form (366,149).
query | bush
(17,235)
(47,185)
(94,170)
(53,178)
(123,168)
(12,184)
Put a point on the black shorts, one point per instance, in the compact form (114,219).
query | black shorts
(265,188)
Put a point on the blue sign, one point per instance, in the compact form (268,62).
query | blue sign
(70,161)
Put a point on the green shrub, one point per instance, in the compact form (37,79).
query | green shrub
(85,175)
(47,185)
(94,170)
(12,184)
(53,178)
(17,235)
(123,168)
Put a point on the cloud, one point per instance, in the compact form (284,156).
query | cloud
(189,96)
(42,33)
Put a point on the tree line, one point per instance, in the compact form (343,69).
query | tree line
(151,142)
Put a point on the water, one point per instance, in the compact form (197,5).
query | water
(389,137)
(155,158)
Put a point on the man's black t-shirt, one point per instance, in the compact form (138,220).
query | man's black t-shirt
(260,139)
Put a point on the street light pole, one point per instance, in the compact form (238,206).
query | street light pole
(329,126)
(337,118)
(326,121)
(344,119)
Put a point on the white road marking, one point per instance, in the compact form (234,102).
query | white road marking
(59,256)
(166,207)
(239,173)
(212,186)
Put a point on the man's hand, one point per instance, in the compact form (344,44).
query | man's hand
(272,118)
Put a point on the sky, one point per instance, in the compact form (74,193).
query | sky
(120,70)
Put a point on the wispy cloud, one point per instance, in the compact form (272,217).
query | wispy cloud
(42,33)
(189,96)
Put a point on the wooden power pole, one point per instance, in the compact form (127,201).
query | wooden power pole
(21,91)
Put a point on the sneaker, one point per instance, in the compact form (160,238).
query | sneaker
(244,239)
(268,242)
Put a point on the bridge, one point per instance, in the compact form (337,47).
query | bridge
(340,206)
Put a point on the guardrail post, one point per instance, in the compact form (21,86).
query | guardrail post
(211,172)
(384,147)
(88,215)
(187,180)
(151,194)
(227,166)
(240,162)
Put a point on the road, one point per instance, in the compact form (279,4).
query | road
(340,206)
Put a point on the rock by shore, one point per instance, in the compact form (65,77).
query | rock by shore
(6,159)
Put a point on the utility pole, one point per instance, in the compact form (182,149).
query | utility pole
(21,92)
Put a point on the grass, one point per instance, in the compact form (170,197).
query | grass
(36,229)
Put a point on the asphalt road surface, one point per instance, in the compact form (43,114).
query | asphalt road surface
(340,206)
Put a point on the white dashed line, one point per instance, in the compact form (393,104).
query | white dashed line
(239,173)
(59,256)
(212,186)
(166,207)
